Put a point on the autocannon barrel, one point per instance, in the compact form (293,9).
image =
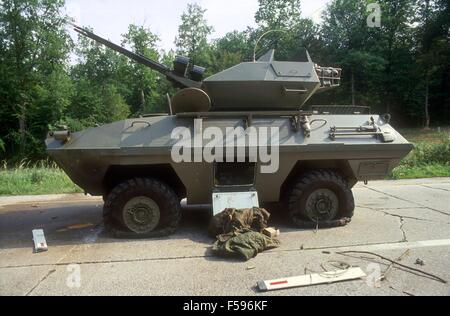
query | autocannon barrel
(177,79)
(163,69)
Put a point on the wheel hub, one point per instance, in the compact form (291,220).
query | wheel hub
(141,215)
(322,205)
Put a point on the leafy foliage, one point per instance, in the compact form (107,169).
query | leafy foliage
(35,87)
(192,40)
(425,153)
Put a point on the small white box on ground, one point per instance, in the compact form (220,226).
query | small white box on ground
(40,244)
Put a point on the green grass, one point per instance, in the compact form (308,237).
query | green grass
(419,172)
(430,157)
(35,180)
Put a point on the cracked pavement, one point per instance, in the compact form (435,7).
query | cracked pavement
(391,218)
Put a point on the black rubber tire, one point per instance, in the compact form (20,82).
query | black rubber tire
(320,179)
(158,191)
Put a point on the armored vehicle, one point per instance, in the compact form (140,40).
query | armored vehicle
(317,157)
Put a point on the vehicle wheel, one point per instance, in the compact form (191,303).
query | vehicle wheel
(143,208)
(320,196)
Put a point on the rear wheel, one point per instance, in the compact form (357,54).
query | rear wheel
(142,208)
(320,196)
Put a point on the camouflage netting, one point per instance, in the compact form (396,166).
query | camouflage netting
(239,233)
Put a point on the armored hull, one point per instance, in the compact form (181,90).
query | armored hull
(99,158)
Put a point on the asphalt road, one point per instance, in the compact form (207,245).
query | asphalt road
(408,219)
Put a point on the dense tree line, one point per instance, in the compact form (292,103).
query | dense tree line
(401,66)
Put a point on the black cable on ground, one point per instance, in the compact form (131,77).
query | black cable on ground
(432,276)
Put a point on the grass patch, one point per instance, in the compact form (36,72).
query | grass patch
(35,180)
(419,172)
(430,157)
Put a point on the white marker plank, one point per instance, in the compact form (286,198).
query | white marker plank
(312,279)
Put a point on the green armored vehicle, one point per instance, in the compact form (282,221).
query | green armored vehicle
(237,137)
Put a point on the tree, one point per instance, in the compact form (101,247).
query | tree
(349,43)
(100,86)
(192,39)
(144,96)
(394,41)
(35,88)
(282,27)
(304,34)
(433,56)
(278,14)
(230,50)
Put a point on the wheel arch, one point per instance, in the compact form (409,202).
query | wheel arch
(117,174)
(341,167)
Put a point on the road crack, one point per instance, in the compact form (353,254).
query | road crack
(88,242)
(402,223)
(384,211)
(50,272)
(405,200)
(441,189)
(59,264)
(53,268)
(401,218)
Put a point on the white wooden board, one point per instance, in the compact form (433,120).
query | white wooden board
(312,279)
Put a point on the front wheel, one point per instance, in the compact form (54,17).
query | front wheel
(320,196)
(142,208)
